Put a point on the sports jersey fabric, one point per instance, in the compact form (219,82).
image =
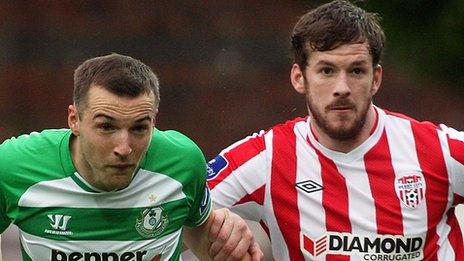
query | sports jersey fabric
(62,217)
(391,198)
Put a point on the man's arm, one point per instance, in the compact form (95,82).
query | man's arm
(0,247)
(224,235)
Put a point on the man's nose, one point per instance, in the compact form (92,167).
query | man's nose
(123,146)
(342,87)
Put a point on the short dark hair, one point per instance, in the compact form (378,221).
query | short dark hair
(333,24)
(119,74)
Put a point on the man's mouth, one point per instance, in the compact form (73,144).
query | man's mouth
(122,166)
(340,108)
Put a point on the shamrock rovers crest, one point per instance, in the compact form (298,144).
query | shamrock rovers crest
(151,222)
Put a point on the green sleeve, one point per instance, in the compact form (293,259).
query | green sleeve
(201,207)
(4,219)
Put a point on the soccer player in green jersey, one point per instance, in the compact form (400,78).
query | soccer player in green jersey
(112,186)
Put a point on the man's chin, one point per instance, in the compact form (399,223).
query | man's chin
(117,186)
(342,133)
(120,181)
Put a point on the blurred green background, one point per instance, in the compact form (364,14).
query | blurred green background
(223,65)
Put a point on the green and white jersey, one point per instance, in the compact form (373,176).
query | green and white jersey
(61,217)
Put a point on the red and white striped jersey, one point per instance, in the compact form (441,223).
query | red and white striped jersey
(391,198)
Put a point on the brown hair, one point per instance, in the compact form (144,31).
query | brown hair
(333,24)
(119,74)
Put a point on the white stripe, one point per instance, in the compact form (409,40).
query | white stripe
(455,168)
(309,204)
(446,252)
(238,184)
(66,193)
(39,248)
(279,246)
(405,162)
(361,204)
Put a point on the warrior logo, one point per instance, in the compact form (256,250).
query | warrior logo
(410,189)
(151,222)
(59,223)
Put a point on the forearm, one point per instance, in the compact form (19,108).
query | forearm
(224,235)
(196,239)
(0,247)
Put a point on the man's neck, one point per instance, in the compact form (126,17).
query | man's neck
(79,164)
(348,145)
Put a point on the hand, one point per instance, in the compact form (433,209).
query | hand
(231,238)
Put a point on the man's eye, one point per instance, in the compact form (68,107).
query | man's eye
(106,127)
(140,129)
(326,70)
(358,71)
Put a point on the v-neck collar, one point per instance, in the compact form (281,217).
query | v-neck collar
(355,153)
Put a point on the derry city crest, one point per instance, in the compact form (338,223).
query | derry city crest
(410,189)
(151,222)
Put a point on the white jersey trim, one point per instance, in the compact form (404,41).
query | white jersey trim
(66,193)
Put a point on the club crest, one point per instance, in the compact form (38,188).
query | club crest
(410,189)
(151,222)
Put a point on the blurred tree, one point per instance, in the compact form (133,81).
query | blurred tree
(425,37)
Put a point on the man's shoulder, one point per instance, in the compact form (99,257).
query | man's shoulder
(289,124)
(173,141)
(31,158)
(37,150)
(174,148)
(34,142)
(400,116)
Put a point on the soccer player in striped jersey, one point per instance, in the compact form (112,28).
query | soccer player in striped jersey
(351,181)
(113,187)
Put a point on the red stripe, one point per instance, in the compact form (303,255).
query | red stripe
(265,228)
(238,155)
(380,171)
(432,163)
(455,235)
(283,191)
(256,196)
(334,200)
(456,149)
(458,199)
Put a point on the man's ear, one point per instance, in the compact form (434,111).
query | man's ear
(377,80)
(73,119)
(297,79)
(154,118)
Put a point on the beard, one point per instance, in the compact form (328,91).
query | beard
(347,131)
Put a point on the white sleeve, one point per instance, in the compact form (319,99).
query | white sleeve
(238,175)
(454,155)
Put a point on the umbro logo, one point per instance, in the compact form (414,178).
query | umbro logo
(59,223)
(309,186)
